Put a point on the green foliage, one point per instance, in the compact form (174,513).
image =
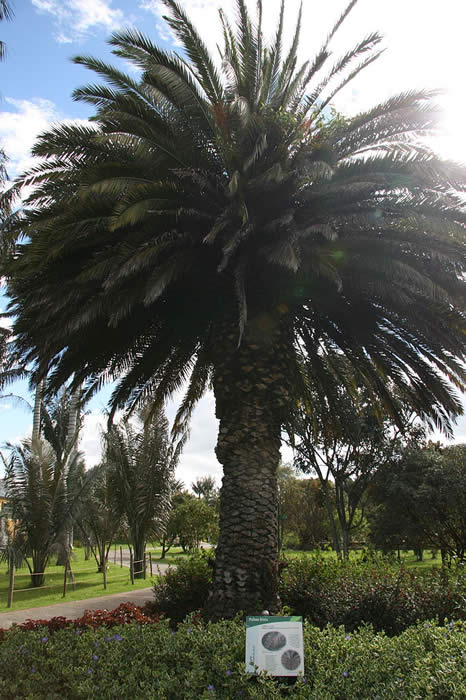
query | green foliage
(192,521)
(370,591)
(205,487)
(140,461)
(44,490)
(347,448)
(99,517)
(422,501)
(302,511)
(184,589)
(207,662)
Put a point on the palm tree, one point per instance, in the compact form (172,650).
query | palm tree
(34,486)
(99,517)
(45,482)
(217,225)
(141,464)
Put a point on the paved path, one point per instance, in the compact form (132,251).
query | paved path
(125,560)
(75,608)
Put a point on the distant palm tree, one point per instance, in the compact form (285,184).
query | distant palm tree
(41,507)
(99,517)
(141,462)
(218,225)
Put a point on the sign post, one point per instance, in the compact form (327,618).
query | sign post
(275,645)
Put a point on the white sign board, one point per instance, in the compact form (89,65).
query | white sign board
(275,645)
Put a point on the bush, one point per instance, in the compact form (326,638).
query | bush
(352,593)
(327,591)
(124,614)
(185,588)
(207,662)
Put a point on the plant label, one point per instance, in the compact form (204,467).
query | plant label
(275,645)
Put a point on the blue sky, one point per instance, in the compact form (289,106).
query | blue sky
(425,49)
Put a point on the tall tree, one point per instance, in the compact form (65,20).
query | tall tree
(216,226)
(141,463)
(302,509)
(345,448)
(41,512)
(99,517)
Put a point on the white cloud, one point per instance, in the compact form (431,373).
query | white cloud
(198,458)
(20,127)
(90,444)
(156,8)
(424,41)
(76,19)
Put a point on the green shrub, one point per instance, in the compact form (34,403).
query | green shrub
(207,662)
(184,589)
(352,593)
(372,590)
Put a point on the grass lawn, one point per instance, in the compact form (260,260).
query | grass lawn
(408,559)
(89,583)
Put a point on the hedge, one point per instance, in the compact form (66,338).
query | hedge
(198,660)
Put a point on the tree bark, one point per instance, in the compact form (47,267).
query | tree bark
(37,409)
(252,393)
(65,538)
(139,548)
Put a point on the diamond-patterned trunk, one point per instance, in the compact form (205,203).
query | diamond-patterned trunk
(251,386)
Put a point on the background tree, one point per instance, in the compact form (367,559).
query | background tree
(99,519)
(422,501)
(34,486)
(303,513)
(346,450)
(170,536)
(60,421)
(219,227)
(206,488)
(141,461)
(45,483)
(193,521)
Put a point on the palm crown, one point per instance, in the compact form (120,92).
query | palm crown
(213,214)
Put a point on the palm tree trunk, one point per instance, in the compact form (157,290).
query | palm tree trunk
(65,538)
(252,392)
(139,547)
(37,410)
(39,562)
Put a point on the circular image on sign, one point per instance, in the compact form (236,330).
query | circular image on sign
(290,659)
(273,641)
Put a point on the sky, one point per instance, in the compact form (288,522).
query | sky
(425,48)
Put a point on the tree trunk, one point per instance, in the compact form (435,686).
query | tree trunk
(65,539)
(251,387)
(331,517)
(37,410)
(39,562)
(138,560)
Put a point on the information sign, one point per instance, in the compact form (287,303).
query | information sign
(275,644)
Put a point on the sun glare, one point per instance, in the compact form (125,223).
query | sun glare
(451,143)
